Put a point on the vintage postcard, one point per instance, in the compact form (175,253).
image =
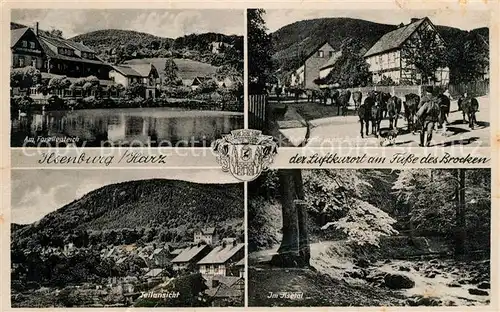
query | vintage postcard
(333,155)
(123,78)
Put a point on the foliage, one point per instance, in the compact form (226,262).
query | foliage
(59,83)
(351,69)
(338,195)
(25,77)
(170,70)
(386,81)
(469,59)
(135,89)
(426,52)
(207,86)
(428,196)
(57,33)
(259,50)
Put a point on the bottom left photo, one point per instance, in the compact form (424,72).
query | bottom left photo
(126,238)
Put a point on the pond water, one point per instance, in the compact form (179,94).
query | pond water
(124,127)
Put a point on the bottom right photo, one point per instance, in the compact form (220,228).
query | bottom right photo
(339,237)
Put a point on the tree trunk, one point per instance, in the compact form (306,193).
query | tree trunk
(460,214)
(288,252)
(304,248)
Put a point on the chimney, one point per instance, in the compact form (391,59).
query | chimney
(36,29)
(81,42)
(413,20)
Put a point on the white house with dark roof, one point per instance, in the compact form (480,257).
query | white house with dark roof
(206,235)
(190,256)
(222,259)
(146,74)
(385,56)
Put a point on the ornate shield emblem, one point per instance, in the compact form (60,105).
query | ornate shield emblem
(246,153)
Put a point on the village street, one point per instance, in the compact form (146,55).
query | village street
(344,131)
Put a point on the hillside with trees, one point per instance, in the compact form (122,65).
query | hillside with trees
(137,211)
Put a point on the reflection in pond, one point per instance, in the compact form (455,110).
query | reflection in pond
(124,127)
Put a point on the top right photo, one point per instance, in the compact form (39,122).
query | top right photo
(370,78)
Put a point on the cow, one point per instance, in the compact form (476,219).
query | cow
(393,111)
(326,95)
(411,104)
(344,98)
(364,113)
(357,96)
(375,118)
(335,95)
(382,99)
(469,107)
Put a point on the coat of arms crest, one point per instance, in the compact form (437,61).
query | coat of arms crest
(246,153)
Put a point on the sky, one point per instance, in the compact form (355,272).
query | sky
(463,19)
(36,193)
(163,23)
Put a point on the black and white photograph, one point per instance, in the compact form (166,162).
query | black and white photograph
(369,238)
(131,77)
(370,78)
(126,238)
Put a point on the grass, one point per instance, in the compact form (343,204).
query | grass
(188,69)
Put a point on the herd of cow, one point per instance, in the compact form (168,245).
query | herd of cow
(379,105)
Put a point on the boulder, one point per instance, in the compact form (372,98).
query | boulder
(431,275)
(434,261)
(478,292)
(362,263)
(404,268)
(454,285)
(428,302)
(423,301)
(484,285)
(398,281)
(387,261)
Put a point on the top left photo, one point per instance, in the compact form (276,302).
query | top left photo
(133,78)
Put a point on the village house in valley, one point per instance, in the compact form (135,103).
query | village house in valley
(222,259)
(55,57)
(190,256)
(309,71)
(385,56)
(207,235)
(145,74)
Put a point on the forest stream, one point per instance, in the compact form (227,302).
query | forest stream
(430,282)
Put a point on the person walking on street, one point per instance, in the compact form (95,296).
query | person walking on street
(428,115)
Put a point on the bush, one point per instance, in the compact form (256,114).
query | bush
(55,103)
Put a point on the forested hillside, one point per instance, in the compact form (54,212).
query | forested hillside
(146,210)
